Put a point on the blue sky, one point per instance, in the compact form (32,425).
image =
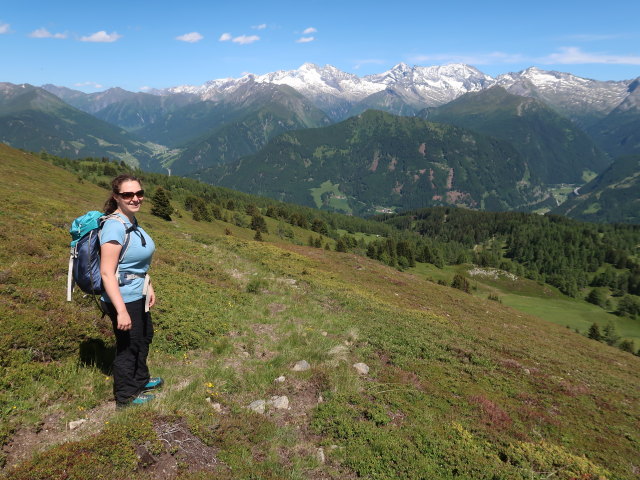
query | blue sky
(138,44)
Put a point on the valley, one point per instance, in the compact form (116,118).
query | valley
(562,127)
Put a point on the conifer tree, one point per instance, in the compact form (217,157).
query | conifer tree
(161,205)
(609,334)
(461,283)
(341,246)
(594,332)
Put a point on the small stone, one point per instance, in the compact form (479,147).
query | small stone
(320,455)
(338,350)
(76,423)
(280,403)
(324,334)
(320,399)
(527,371)
(280,379)
(258,406)
(301,366)
(245,354)
(362,368)
(217,407)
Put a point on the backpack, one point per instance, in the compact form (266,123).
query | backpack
(84,258)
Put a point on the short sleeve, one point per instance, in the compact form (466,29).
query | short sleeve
(112,230)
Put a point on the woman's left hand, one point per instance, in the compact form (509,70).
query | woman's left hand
(152,296)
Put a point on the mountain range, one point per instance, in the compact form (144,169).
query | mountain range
(376,160)
(563,127)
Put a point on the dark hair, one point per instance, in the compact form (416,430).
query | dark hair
(110,205)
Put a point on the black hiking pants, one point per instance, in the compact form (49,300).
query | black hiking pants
(130,371)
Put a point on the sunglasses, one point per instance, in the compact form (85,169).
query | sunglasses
(130,195)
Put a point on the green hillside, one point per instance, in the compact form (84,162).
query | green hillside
(379,161)
(555,150)
(34,119)
(458,387)
(255,123)
(619,132)
(612,196)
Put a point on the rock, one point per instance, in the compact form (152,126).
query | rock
(320,399)
(340,350)
(362,368)
(320,455)
(76,423)
(301,366)
(217,407)
(527,371)
(280,379)
(280,403)
(324,334)
(245,354)
(258,406)
(144,456)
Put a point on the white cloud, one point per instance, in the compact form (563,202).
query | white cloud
(144,89)
(368,61)
(574,55)
(491,58)
(4,28)
(44,33)
(101,37)
(246,39)
(225,37)
(192,37)
(88,84)
(262,26)
(309,30)
(305,39)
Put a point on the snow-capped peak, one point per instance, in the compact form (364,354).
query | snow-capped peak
(335,91)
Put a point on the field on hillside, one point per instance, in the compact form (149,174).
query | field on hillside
(454,386)
(543,301)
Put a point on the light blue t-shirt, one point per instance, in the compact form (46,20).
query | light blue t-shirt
(137,258)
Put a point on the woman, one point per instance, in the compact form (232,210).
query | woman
(128,293)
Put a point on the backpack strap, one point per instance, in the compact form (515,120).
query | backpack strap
(70,275)
(127,236)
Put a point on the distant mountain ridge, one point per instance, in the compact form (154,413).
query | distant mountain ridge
(558,124)
(613,196)
(330,88)
(34,119)
(378,160)
(555,149)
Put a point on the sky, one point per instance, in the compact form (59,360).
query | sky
(142,44)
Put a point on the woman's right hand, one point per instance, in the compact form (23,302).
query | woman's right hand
(124,321)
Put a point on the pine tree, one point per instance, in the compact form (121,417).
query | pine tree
(461,283)
(609,334)
(161,205)
(259,224)
(341,246)
(594,332)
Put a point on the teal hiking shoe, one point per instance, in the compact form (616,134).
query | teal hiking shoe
(154,382)
(139,399)
(142,398)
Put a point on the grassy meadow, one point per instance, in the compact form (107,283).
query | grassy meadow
(543,301)
(458,386)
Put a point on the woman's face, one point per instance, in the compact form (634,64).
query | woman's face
(131,205)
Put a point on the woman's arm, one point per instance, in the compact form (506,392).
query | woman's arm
(152,296)
(109,256)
